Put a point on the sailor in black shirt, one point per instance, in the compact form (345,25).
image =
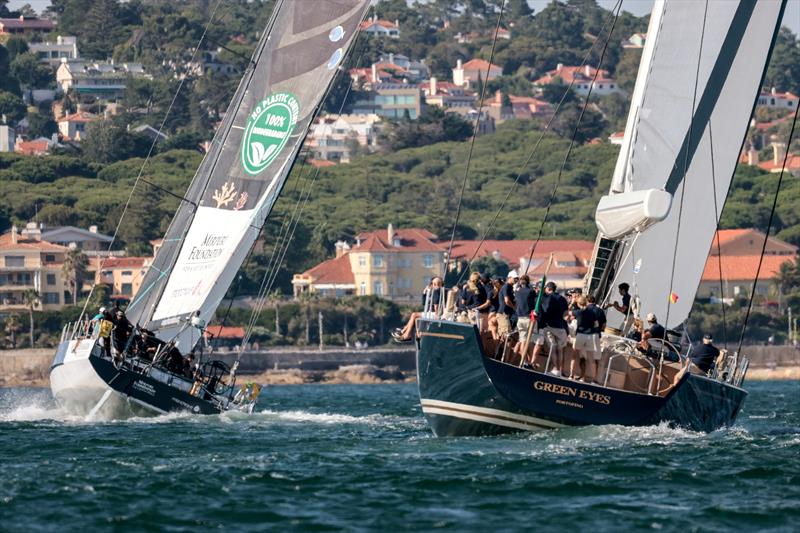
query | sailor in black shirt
(506,305)
(553,325)
(705,355)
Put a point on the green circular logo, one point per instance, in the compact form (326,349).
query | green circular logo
(268,129)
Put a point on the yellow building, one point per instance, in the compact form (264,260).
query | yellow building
(123,275)
(27,262)
(394,264)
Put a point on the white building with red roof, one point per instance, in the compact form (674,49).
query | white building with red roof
(393,264)
(467,74)
(73,127)
(24,26)
(582,79)
(522,107)
(778,100)
(381,27)
(446,94)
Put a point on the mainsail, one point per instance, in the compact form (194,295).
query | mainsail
(252,153)
(702,67)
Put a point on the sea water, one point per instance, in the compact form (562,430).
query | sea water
(361,458)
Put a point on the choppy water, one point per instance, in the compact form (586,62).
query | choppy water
(333,457)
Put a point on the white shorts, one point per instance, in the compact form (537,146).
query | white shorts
(559,336)
(523,323)
(586,342)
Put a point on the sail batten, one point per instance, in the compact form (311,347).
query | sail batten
(252,153)
(683,88)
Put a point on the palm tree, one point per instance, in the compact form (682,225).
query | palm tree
(74,270)
(31,298)
(381,310)
(275,298)
(306,303)
(346,307)
(12,326)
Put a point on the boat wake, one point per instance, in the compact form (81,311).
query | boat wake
(326,419)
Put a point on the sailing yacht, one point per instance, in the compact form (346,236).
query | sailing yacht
(701,70)
(219,219)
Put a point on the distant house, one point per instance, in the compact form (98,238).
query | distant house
(65,47)
(446,94)
(778,100)
(636,40)
(39,146)
(581,78)
(741,252)
(392,101)
(90,242)
(73,127)
(330,138)
(415,69)
(226,337)
(106,80)
(25,26)
(618,137)
(467,74)
(7,138)
(780,161)
(522,107)
(394,264)
(124,275)
(151,133)
(380,27)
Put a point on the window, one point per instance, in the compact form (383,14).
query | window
(404,262)
(362,260)
(362,290)
(377,261)
(49,258)
(15,261)
(127,289)
(51,279)
(127,273)
(427,261)
(51,298)
(377,288)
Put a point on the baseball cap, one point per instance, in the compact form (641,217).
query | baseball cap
(512,274)
(651,317)
(707,338)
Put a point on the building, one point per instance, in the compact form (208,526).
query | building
(73,127)
(65,47)
(522,107)
(778,100)
(91,242)
(393,101)
(467,74)
(780,162)
(415,69)
(333,138)
(740,253)
(25,26)
(636,40)
(381,28)
(618,137)
(29,263)
(486,123)
(570,257)
(104,80)
(394,264)
(38,146)
(7,138)
(581,79)
(447,95)
(124,275)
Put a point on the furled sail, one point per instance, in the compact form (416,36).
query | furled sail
(702,68)
(252,153)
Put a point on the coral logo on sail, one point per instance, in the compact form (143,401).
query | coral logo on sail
(268,129)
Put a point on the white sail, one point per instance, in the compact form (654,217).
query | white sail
(241,177)
(702,67)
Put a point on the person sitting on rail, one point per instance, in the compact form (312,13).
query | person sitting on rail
(91,327)
(105,325)
(553,326)
(433,294)
(705,355)
(476,300)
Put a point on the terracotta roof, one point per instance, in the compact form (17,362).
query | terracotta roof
(568,74)
(617,135)
(226,332)
(479,64)
(792,164)
(728,236)
(411,239)
(38,24)
(23,244)
(32,147)
(319,163)
(332,271)
(122,262)
(512,251)
(744,267)
(80,116)
(385,23)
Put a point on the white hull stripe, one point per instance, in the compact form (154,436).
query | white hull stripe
(485,414)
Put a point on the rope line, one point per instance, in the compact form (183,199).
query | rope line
(572,140)
(766,233)
(719,247)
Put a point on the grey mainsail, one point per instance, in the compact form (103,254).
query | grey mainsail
(253,151)
(701,71)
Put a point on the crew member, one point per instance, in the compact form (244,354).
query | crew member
(624,307)
(553,326)
(706,354)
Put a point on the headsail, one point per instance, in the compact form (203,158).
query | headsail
(686,124)
(253,151)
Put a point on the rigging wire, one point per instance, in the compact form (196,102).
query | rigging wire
(533,151)
(716,234)
(474,136)
(686,164)
(766,233)
(147,158)
(572,140)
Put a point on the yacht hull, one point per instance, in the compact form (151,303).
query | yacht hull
(462,393)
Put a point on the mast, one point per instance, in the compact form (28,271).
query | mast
(701,71)
(253,151)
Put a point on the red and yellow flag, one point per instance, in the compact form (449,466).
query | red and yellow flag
(673,298)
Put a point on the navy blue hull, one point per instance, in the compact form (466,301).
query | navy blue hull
(462,392)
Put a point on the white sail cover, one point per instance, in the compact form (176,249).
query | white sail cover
(240,179)
(678,111)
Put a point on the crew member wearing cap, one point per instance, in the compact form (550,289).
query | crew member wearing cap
(554,327)
(506,304)
(654,331)
(705,355)
(624,307)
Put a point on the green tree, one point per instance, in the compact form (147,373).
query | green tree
(783,72)
(75,271)
(7,82)
(31,299)
(41,125)
(107,141)
(16,46)
(12,325)
(11,106)
(31,72)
